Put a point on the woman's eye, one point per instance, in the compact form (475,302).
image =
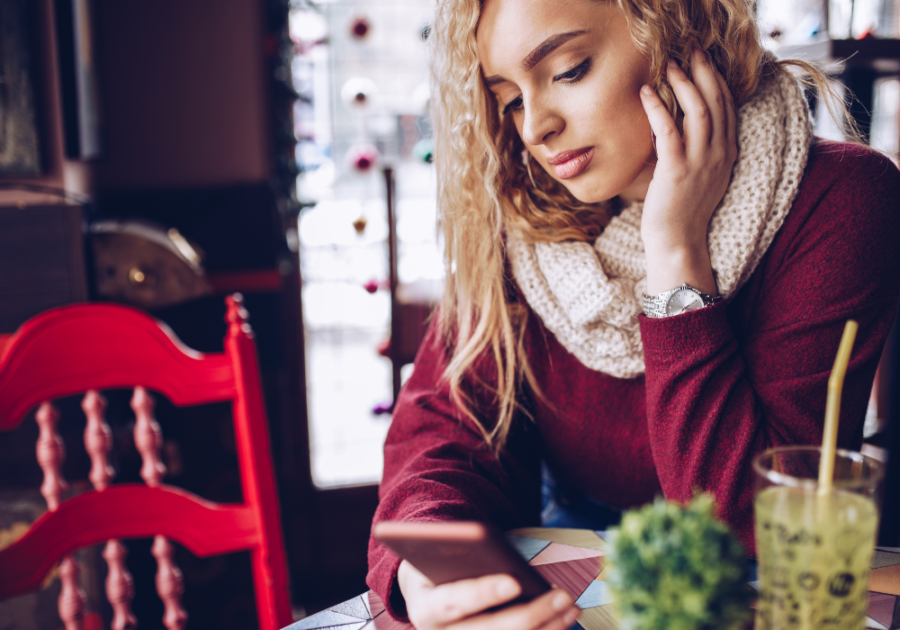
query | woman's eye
(575,74)
(514,105)
(569,77)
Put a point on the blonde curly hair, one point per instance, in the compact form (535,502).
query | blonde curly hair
(485,189)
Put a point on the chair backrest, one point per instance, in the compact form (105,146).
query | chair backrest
(91,347)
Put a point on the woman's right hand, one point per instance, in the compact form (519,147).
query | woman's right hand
(462,605)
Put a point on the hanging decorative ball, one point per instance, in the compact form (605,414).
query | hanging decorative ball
(424,150)
(383,408)
(360,27)
(362,157)
(373,286)
(358,92)
(360,225)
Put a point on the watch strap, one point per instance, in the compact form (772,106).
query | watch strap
(655,305)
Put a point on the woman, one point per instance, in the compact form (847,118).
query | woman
(585,178)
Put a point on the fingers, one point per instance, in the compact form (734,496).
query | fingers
(442,606)
(411,580)
(462,605)
(730,114)
(551,611)
(668,140)
(700,111)
(709,115)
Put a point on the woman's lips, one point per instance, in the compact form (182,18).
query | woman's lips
(571,163)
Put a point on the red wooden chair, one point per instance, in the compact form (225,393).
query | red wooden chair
(90,347)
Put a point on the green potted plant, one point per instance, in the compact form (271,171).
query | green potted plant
(677,567)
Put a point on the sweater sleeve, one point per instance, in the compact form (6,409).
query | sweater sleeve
(437,466)
(716,399)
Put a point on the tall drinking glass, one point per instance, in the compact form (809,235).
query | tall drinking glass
(814,551)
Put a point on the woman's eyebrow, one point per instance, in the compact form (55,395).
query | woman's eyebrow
(548,46)
(535,56)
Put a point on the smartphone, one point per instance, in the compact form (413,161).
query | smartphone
(447,552)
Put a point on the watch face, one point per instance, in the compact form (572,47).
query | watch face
(682,301)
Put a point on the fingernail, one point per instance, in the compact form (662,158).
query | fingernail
(561,601)
(571,616)
(647,90)
(672,63)
(507,588)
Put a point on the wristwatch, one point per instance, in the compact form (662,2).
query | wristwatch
(679,300)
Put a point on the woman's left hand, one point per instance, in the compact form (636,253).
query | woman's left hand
(690,177)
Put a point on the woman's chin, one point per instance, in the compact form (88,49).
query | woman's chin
(594,187)
(585,193)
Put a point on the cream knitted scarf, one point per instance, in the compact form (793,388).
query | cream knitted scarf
(589,296)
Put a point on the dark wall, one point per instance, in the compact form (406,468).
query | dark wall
(185,95)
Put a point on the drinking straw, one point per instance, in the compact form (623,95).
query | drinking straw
(833,407)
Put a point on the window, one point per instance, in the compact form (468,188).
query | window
(361,71)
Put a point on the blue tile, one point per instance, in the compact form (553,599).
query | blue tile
(528,547)
(883,559)
(596,594)
(353,607)
(324,619)
(359,625)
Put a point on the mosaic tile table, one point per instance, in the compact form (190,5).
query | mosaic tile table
(573,559)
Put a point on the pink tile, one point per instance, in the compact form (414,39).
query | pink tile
(884,609)
(557,552)
(376,606)
(574,576)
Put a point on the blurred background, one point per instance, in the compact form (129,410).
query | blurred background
(165,154)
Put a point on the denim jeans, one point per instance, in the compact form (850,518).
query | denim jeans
(566,507)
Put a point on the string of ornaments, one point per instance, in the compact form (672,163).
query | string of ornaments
(359,94)
(400,135)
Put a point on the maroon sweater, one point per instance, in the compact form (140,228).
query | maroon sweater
(721,385)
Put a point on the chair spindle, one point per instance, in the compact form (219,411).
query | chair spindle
(72,600)
(51,453)
(148,440)
(119,586)
(97,440)
(98,443)
(169,584)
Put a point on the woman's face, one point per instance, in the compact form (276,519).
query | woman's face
(569,75)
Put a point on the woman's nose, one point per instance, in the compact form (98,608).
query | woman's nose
(541,122)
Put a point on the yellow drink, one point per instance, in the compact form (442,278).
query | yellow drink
(814,558)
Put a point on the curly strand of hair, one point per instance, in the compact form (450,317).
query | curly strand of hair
(815,80)
(473,306)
